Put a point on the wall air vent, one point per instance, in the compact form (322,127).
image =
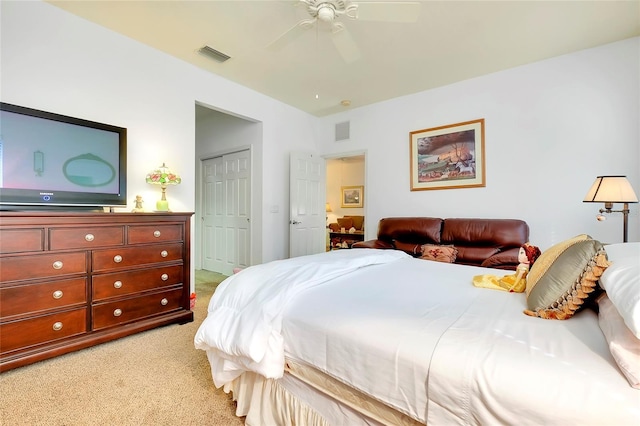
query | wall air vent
(342,131)
(214,54)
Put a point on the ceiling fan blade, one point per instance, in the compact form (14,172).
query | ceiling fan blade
(391,11)
(291,34)
(345,44)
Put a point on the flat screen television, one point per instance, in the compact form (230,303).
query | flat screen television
(50,161)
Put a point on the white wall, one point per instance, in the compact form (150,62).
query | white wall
(54,61)
(551,127)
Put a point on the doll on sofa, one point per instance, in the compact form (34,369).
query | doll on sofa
(514,283)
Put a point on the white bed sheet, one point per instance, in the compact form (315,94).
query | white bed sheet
(468,356)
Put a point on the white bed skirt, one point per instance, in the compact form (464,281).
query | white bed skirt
(286,401)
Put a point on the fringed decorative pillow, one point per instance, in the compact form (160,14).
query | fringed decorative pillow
(439,253)
(564,277)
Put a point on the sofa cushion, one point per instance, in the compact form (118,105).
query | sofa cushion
(358,222)
(474,255)
(334,227)
(507,259)
(410,248)
(496,233)
(345,222)
(419,230)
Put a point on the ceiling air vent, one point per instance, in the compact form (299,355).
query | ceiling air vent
(342,131)
(214,54)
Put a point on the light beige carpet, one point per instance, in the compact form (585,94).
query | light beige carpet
(152,378)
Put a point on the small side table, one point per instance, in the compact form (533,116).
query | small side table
(338,240)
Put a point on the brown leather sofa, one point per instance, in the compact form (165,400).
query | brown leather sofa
(492,243)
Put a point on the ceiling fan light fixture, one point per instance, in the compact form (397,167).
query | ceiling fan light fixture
(326,12)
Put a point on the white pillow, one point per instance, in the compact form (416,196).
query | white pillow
(621,281)
(624,346)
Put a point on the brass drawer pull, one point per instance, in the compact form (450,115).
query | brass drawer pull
(117,258)
(164,302)
(164,277)
(156,234)
(58,294)
(89,237)
(117,284)
(117,312)
(57,326)
(58,264)
(164,253)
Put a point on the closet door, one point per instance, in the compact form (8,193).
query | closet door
(213,236)
(227,212)
(237,182)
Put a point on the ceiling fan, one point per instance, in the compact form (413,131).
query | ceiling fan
(330,11)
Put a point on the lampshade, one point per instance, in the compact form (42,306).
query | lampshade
(163,176)
(611,189)
(327,208)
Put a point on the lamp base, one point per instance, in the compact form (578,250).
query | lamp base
(162,206)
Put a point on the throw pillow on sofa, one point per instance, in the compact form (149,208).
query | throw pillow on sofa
(439,253)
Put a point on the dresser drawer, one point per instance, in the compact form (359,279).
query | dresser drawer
(89,237)
(24,299)
(140,234)
(42,265)
(124,283)
(47,328)
(21,240)
(127,310)
(108,259)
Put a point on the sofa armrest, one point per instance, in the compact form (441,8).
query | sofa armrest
(373,244)
(507,259)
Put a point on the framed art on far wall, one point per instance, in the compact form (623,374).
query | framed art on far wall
(448,157)
(352,196)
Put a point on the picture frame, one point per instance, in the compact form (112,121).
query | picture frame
(448,157)
(352,196)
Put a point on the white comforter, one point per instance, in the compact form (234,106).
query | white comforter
(242,328)
(420,337)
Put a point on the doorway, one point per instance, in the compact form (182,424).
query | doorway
(343,171)
(228,224)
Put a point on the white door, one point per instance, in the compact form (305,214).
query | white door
(213,254)
(237,210)
(226,204)
(307,220)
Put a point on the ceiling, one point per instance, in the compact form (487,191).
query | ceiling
(449,41)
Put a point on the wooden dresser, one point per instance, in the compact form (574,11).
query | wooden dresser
(73,280)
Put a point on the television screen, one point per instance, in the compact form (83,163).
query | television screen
(48,159)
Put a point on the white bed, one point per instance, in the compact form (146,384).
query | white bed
(413,341)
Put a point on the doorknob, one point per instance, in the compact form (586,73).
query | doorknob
(294,222)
